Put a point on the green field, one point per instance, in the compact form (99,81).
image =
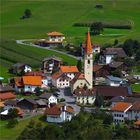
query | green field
(136,87)
(54,15)
(13,133)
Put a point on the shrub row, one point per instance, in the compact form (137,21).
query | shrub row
(105,25)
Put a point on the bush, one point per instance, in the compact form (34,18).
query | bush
(62,100)
(12,123)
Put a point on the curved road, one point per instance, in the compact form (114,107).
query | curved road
(23,42)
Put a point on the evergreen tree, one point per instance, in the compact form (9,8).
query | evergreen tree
(79,65)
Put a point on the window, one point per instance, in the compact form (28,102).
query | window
(88,61)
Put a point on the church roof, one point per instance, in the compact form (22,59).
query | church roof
(88,48)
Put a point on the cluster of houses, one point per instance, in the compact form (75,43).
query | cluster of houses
(94,79)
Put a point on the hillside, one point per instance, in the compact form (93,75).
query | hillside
(54,15)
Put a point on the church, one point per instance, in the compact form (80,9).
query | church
(82,84)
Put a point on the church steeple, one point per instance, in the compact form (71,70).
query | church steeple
(88,47)
(88,62)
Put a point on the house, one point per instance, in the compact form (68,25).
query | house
(10,104)
(100,70)
(134,111)
(59,113)
(60,80)
(27,104)
(95,48)
(128,99)
(69,71)
(41,103)
(116,99)
(49,97)
(18,84)
(6,88)
(34,73)
(116,65)
(113,81)
(31,83)
(55,39)
(111,53)
(108,92)
(119,112)
(20,68)
(51,64)
(83,96)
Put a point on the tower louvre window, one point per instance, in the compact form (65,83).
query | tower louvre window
(88,61)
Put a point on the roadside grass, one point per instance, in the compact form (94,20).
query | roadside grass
(13,133)
(136,87)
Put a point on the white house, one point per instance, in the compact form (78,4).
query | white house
(50,97)
(113,81)
(55,39)
(120,112)
(59,113)
(84,96)
(31,83)
(60,80)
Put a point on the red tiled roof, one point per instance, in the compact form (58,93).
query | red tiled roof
(121,106)
(7,95)
(32,80)
(55,110)
(88,48)
(69,69)
(55,34)
(56,75)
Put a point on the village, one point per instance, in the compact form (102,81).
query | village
(60,91)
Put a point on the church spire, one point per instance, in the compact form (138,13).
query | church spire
(88,47)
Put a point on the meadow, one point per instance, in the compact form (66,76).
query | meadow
(54,15)
(13,133)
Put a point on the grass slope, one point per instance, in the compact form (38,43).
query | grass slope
(13,133)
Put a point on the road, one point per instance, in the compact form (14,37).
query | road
(24,42)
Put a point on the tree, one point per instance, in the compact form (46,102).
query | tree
(27,13)
(129,62)
(99,101)
(115,41)
(12,123)
(137,55)
(38,91)
(96,28)
(13,113)
(108,119)
(79,65)
(128,47)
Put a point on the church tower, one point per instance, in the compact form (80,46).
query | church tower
(88,62)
